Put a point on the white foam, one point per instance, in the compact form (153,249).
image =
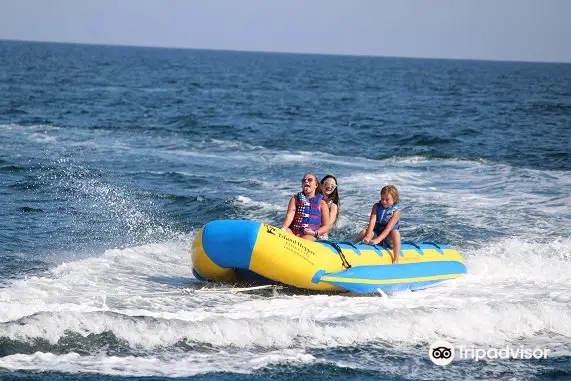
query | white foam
(128,272)
(317,321)
(507,295)
(237,144)
(32,128)
(266,206)
(178,365)
(43,138)
(513,260)
(515,292)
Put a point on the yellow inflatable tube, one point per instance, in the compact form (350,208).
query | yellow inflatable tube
(232,250)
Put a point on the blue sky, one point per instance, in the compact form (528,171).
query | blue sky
(526,30)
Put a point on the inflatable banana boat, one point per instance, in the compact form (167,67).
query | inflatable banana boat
(243,250)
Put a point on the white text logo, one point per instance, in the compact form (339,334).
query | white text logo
(442,353)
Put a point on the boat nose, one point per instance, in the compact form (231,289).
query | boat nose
(229,243)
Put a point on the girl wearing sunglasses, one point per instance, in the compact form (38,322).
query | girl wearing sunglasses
(331,197)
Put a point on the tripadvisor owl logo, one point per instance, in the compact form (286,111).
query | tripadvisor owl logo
(441,352)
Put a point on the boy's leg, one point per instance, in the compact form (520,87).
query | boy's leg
(395,243)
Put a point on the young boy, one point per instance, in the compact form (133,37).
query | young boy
(384,221)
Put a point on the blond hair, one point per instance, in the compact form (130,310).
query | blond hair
(392,190)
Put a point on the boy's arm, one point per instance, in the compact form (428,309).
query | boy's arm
(371,225)
(390,224)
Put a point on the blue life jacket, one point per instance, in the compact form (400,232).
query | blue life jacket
(384,215)
(307,213)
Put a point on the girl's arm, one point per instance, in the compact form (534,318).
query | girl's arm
(325,219)
(333,214)
(392,221)
(290,214)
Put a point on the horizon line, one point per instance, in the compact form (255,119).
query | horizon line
(285,52)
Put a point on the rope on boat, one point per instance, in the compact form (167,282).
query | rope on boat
(344,261)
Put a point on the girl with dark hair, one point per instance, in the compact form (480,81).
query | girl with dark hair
(328,187)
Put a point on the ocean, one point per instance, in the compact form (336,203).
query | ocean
(112,157)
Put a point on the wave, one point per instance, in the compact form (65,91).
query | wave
(426,140)
(120,293)
(545,108)
(298,321)
(12,168)
(179,365)
(34,127)
(185,122)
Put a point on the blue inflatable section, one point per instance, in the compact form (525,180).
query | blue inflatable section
(229,243)
(400,271)
(396,272)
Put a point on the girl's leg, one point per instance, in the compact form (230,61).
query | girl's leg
(395,243)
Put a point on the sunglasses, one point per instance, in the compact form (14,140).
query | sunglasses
(308,179)
(331,185)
